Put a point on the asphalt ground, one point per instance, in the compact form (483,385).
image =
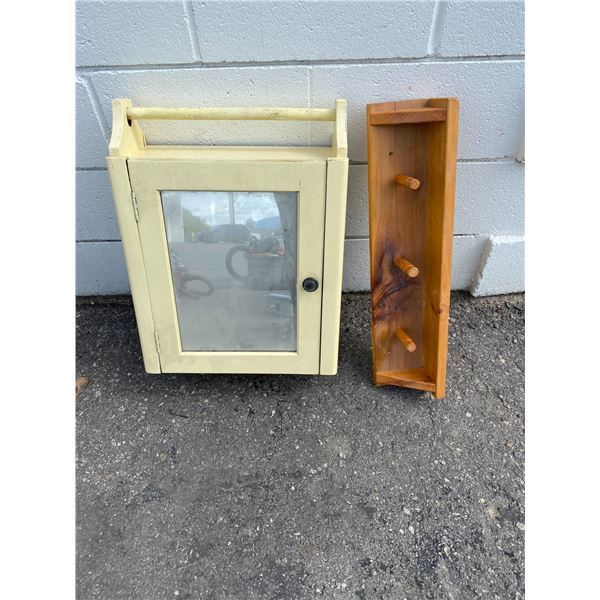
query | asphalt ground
(293,487)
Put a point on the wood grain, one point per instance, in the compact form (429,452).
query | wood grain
(411,234)
(412,115)
(410,378)
(395,212)
(440,224)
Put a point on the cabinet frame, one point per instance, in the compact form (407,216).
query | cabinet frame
(324,173)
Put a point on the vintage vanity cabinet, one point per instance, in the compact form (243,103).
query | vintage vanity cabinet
(234,254)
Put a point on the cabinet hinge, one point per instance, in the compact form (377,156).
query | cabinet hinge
(136,212)
(157,341)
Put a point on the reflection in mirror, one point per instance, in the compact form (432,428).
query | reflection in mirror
(233,266)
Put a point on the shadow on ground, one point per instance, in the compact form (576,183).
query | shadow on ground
(294,487)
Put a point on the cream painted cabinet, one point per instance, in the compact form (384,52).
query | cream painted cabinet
(234,254)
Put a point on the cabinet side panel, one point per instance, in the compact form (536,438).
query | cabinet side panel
(119,178)
(333,261)
(443,138)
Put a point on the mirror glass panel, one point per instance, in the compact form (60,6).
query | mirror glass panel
(233,267)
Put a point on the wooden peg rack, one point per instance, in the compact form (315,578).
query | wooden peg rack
(412,174)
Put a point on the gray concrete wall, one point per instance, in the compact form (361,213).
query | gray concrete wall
(308,53)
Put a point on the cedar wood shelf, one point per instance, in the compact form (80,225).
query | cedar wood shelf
(412,173)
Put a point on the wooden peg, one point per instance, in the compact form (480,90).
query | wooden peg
(406,340)
(410,182)
(406,266)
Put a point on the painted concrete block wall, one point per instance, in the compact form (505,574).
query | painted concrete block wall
(308,53)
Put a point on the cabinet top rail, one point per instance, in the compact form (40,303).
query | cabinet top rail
(128,138)
(231,114)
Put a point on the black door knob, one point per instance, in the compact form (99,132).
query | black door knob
(310,284)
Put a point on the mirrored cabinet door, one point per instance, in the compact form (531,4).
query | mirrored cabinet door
(233,253)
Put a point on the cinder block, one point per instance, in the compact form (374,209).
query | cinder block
(466,254)
(356,276)
(132,33)
(501,270)
(90,143)
(521,152)
(466,257)
(101,266)
(489,199)
(490,93)
(96,217)
(357,207)
(100,269)
(278,31)
(250,86)
(481,28)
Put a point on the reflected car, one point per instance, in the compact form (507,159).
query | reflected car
(233,234)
